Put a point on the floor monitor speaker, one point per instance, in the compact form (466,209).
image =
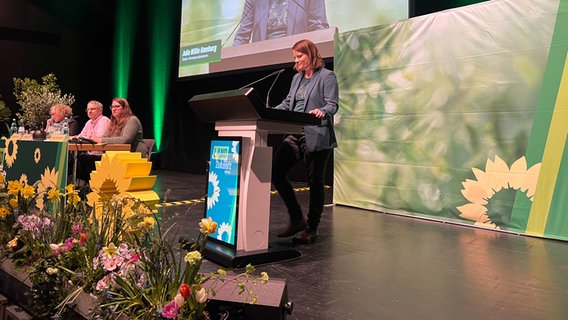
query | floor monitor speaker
(272,301)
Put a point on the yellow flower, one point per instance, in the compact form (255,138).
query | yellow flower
(2,178)
(4,212)
(53,194)
(110,251)
(28,191)
(70,188)
(147,224)
(193,257)
(14,202)
(207,226)
(14,187)
(73,197)
(264,277)
(12,243)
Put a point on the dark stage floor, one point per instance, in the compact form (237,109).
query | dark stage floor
(371,265)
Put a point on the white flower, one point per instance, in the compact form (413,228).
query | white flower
(51,271)
(201,295)
(180,300)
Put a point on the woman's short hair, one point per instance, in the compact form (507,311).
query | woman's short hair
(308,48)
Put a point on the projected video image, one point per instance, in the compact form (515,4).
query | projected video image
(218,35)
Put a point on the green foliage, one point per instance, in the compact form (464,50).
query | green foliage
(35,99)
(4,111)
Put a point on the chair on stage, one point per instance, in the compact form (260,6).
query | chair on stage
(150,144)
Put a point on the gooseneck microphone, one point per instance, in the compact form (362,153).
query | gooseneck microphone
(279,72)
(263,78)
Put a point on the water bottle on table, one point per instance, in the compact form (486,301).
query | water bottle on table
(13,127)
(65,127)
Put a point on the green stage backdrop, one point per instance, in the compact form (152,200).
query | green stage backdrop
(459,116)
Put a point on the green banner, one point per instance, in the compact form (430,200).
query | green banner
(458,116)
(36,161)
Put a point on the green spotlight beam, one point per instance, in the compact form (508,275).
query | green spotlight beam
(123,45)
(161,46)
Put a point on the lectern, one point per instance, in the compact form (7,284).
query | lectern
(242,113)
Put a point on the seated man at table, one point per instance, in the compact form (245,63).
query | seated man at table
(95,127)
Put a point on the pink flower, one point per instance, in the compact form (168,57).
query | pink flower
(103,283)
(109,264)
(69,244)
(170,310)
(55,249)
(77,228)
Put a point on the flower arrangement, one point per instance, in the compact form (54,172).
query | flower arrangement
(36,99)
(117,253)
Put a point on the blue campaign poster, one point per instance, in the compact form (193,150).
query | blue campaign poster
(223,186)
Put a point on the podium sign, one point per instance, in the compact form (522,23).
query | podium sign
(223,188)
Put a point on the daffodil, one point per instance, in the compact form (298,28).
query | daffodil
(53,194)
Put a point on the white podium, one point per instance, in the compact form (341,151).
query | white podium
(241,113)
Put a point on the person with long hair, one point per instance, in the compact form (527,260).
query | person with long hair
(124,127)
(313,90)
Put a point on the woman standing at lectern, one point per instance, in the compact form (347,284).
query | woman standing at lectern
(313,90)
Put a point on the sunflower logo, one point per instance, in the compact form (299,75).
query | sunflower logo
(37,155)
(224,228)
(122,174)
(496,177)
(214,197)
(48,180)
(24,179)
(108,179)
(11,151)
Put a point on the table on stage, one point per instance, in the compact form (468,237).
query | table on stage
(76,147)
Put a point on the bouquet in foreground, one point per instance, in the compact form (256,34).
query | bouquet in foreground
(115,251)
(160,283)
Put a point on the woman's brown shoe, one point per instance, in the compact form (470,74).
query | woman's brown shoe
(293,228)
(308,236)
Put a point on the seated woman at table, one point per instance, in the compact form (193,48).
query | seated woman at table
(59,113)
(124,128)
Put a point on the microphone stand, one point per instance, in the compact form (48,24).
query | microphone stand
(263,78)
(271,86)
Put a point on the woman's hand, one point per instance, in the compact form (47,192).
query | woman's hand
(317,112)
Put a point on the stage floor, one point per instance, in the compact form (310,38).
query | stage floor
(372,265)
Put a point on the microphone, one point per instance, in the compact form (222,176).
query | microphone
(263,78)
(279,72)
